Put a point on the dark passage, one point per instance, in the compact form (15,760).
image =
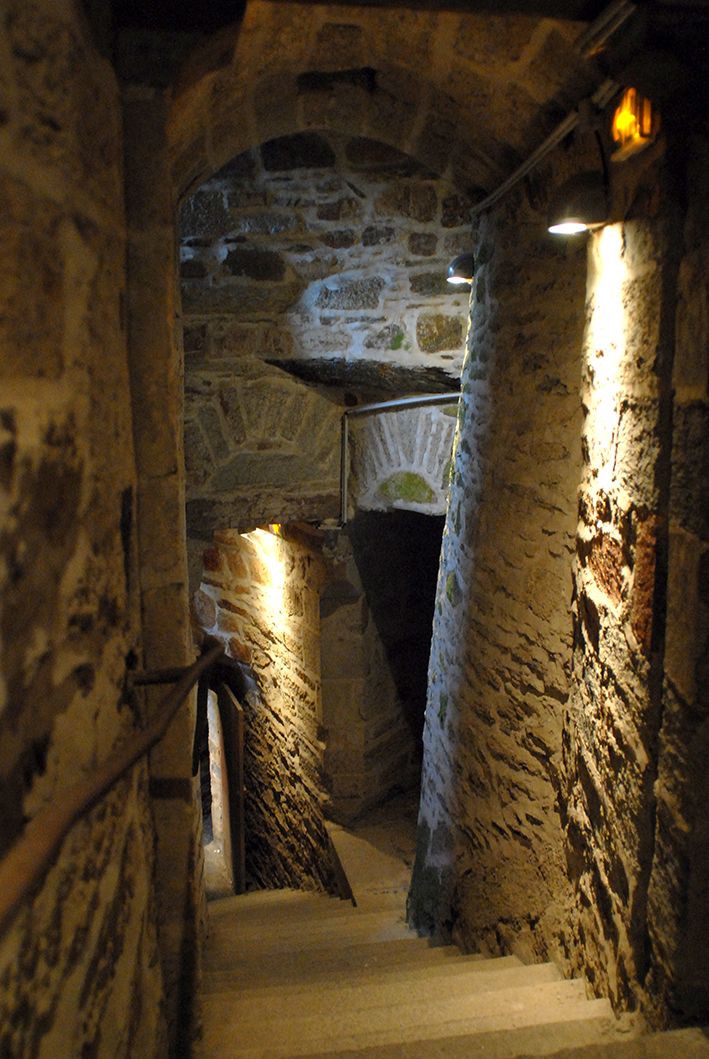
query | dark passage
(397,555)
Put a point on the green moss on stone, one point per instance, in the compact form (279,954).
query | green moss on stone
(405,485)
(397,341)
(453,590)
(424,905)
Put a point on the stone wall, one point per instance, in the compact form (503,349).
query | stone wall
(677,894)
(370,750)
(156,391)
(79,968)
(637,816)
(610,744)
(490,864)
(259,594)
(564,808)
(323,256)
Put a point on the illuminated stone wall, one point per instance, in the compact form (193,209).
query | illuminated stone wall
(635,743)
(491,864)
(316,258)
(564,802)
(610,745)
(259,594)
(79,967)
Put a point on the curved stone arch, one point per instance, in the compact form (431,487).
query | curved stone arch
(402,460)
(428,83)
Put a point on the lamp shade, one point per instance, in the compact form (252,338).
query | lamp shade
(579,204)
(461,269)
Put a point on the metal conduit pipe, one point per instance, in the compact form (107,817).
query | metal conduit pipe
(589,42)
(374,409)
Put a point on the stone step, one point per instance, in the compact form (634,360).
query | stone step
(256,968)
(577,1040)
(382,985)
(232,1031)
(284,935)
(547,1039)
(262,906)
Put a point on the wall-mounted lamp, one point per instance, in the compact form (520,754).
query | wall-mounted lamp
(579,204)
(635,125)
(461,269)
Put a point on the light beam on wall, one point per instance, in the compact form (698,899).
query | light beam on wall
(605,345)
(269,548)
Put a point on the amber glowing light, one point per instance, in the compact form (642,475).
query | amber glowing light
(635,124)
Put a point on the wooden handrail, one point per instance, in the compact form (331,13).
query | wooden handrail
(26,863)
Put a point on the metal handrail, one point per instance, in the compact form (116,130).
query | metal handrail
(26,863)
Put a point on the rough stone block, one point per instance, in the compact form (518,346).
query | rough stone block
(275,102)
(692,353)
(166,636)
(352,294)
(375,234)
(32,284)
(255,264)
(455,212)
(198,462)
(491,41)
(429,284)
(342,209)
(155,389)
(191,268)
(340,239)
(415,200)
(241,299)
(423,244)
(229,402)
(435,331)
(339,44)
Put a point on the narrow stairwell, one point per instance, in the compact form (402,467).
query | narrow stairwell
(295,974)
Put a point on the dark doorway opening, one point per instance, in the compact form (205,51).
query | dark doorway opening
(397,555)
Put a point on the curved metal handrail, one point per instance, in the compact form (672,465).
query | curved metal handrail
(26,863)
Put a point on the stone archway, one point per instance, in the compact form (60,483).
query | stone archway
(467,95)
(493,88)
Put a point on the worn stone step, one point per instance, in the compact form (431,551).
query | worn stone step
(262,905)
(583,1038)
(311,933)
(232,1034)
(576,1040)
(355,960)
(383,985)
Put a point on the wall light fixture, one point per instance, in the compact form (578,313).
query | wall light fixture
(635,125)
(461,269)
(579,204)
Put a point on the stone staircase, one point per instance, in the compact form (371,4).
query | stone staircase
(291,974)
